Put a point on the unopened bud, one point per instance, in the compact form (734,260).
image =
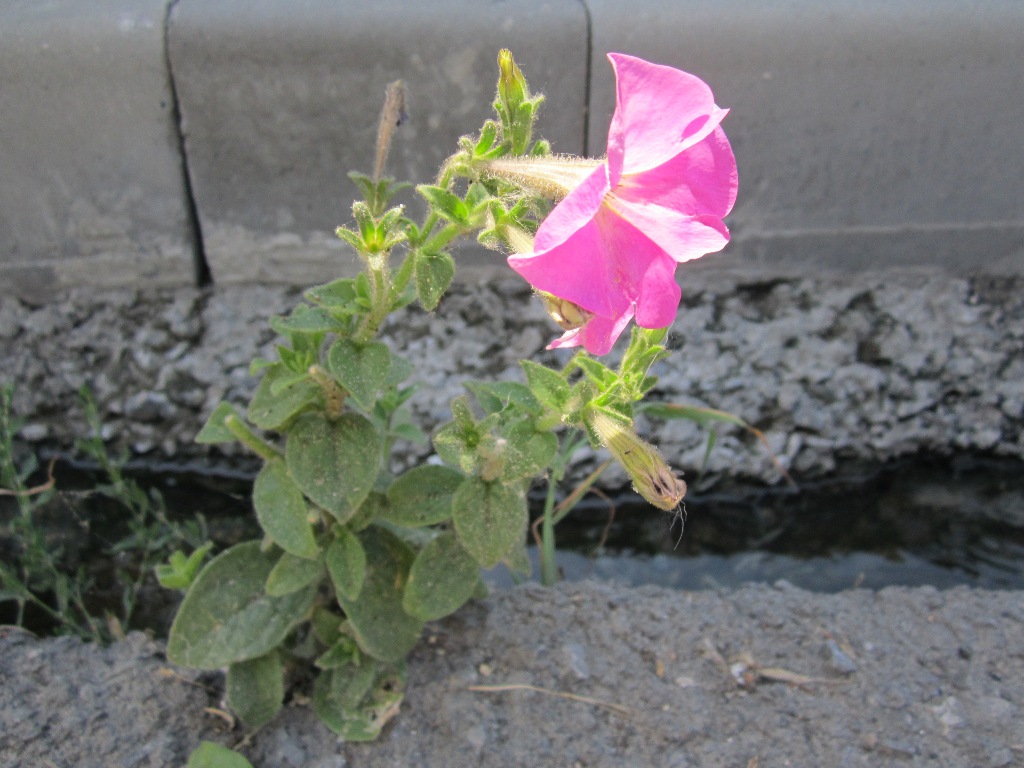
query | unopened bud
(569,316)
(512,89)
(652,477)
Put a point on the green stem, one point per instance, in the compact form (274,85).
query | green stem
(548,566)
(250,440)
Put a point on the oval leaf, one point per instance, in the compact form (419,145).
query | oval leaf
(256,689)
(270,407)
(422,496)
(490,519)
(443,577)
(226,617)
(292,574)
(346,562)
(334,462)
(381,626)
(362,369)
(282,510)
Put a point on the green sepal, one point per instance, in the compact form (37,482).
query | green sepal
(445,204)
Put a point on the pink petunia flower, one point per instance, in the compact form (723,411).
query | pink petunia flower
(611,246)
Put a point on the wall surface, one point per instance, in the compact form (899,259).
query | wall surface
(153,143)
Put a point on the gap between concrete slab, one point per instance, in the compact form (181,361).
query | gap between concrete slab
(203,276)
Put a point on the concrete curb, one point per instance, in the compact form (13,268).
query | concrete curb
(868,134)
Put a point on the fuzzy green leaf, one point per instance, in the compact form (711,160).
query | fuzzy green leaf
(548,386)
(268,410)
(381,626)
(442,578)
(434,273)
(211,755)
(422,496)
(490,519)
(377,690)
(292,574)
(214,430)
(282,511)
(346,562)
(334,462)
(362,369)
(226,617)
(255,689)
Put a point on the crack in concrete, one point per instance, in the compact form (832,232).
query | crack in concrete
(203,275)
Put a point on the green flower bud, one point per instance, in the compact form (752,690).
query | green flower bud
(652,477)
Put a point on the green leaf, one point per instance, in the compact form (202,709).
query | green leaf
(380,624)
(549,387)
(292,574)
(211,755)
(336,294)
(527,452)
(422,496)
(282,510)
(362,369)
(268,410)
(255,689)
(346,562)
(603,376)
(434,273)
(305,319)
(334,462)
(443,577)
(377,690)
(446,204)
(499,396)
(226,617)
(179,571)
(490,519)
(344,651)
(214,430)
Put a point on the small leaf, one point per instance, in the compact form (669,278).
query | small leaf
(499,396)
(434,273)
(335,462)
(380,624)
(211,755)
(378,701)
(292,574)
(305,319)
(447,205)
(271,411)
(422,496)
(282,511)
(336,294)
(226,617)
(179,572)
(443,577)
(528,452)
(346,562)
(255,689)
(214,430)
(490,519)
(362,369)
(548,386)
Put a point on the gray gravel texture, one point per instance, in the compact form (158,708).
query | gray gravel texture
(908,677)
(836,370)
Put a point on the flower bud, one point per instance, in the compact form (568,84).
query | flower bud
(512,88)
(651,475)
(569,316)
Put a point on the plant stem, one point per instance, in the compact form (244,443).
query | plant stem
(548,566)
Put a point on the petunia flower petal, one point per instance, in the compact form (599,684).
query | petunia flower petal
(660,111)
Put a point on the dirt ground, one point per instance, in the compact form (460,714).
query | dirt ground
(587,674)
